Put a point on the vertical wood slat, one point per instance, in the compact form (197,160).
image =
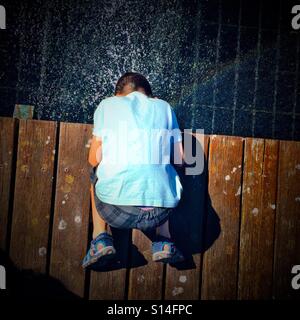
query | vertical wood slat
(287,232)
(7,133)
(258,219)
(111,284)
(33,192)
(224,187)
(72,204)
(185,284)
(145,282)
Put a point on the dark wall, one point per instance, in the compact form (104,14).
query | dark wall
(230,67)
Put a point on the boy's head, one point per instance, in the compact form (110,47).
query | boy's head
(133,81)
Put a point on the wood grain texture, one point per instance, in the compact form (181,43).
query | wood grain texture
(258,219)
(224,187)
(7,133)
(145,282)
(287,232)
(183,283)
(252,257)
(33,192)
(72,204)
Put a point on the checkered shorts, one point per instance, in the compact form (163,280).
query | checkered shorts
(129,217)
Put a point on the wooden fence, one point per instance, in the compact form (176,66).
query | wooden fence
(238,222)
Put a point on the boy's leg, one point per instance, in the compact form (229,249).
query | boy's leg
(163,248)
(99,225)
(164,230)
(101,248)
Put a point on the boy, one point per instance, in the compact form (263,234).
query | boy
(132,189)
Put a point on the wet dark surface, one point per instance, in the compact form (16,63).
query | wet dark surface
(230,67)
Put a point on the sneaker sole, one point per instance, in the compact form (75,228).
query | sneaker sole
(166,257)
(106,254)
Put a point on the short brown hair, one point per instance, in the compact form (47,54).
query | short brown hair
(135,80)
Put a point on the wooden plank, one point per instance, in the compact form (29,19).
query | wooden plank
(110,284)
(183,281)
(72,204)
(7,142)
(145,282)
(287,232)
(33,192)
(224,184)
(258,219)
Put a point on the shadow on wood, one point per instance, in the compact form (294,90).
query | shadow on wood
(27,284)
(195,211)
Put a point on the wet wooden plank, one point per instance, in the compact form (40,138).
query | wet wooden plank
(183,280)
(224,186)
(258,219)
(110,283)
(33,192)
(287,232)
(72,204)
(7,142)
(145,281)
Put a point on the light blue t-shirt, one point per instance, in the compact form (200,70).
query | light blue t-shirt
(137,135)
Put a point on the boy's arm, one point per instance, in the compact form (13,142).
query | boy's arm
(178,154)
(95,154)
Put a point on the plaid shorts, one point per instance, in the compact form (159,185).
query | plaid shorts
(129,217)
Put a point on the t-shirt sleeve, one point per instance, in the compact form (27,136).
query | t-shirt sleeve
(98,121)
(176,132)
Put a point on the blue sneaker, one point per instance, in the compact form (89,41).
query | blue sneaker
(165,251)
(101,250)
